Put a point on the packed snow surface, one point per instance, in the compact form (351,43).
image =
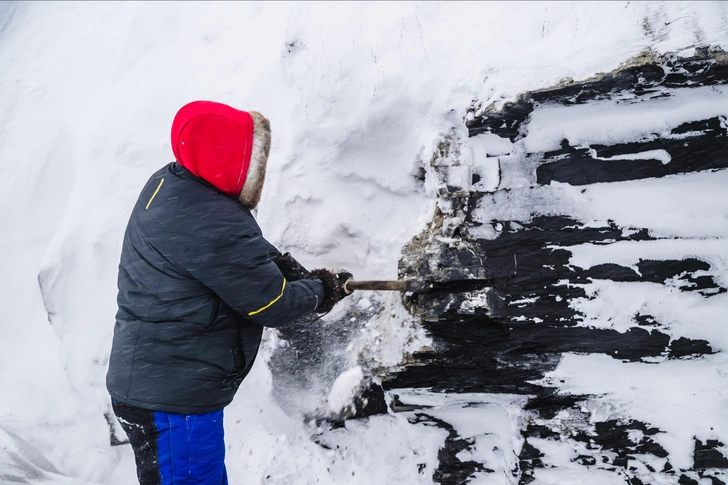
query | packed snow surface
(359,95)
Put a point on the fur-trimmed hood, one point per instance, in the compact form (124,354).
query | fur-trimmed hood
(226,147)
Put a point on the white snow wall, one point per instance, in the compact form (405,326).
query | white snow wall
(358,96)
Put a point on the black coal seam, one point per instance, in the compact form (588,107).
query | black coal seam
(528,460)
(609,443)
(451,470)
(370,401)
(659,271)
(708,456)
(549,403)
(613,435)
(643,79)
(523,269)
(494,352)
(460,364)
(683,347)
(713,480)
(685,480)
(707,151)
(398,406)
(469,357)
(473,357)
(646,320)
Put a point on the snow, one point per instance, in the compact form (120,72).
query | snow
(486,148)
(359,95)
(688,314)
(475,299)
(629,253)
(660,155)
(684,398)
(685,206)
(489,421)
(619,121)
(344,388)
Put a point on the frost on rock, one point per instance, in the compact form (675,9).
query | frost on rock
(442,252)
(603,246)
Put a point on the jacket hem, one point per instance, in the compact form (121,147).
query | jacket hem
(168,408)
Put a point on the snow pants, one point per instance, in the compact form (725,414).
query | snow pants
(175,449)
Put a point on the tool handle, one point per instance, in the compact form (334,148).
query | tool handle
(415,286)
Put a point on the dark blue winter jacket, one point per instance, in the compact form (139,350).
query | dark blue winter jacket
(196,287)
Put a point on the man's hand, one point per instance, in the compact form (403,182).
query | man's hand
(342,277)
(291,269)
(334,290)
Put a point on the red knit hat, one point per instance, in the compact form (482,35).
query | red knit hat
(214,141)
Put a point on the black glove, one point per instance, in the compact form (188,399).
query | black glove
(290,268)
(334,291)
(342,276)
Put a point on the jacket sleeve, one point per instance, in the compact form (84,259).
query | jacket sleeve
(240,270)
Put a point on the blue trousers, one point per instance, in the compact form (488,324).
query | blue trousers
(175,449)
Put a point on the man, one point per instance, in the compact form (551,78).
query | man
(197,284)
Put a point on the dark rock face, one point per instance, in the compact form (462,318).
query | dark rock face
(649,73)
(526,275)
(704,149)
(451,468)
(511,311)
